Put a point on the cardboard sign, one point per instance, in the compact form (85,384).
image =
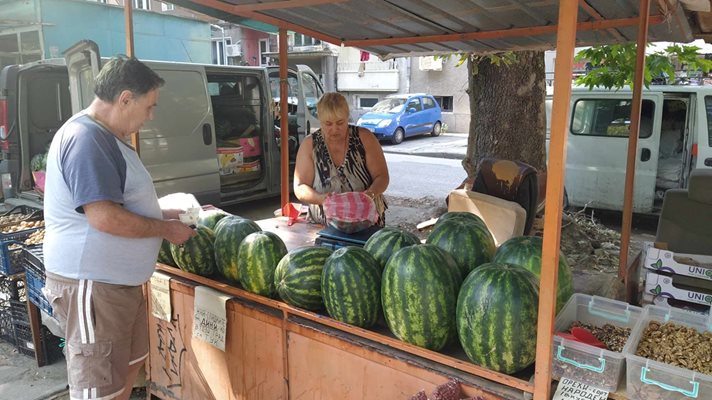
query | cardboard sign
(210,318)
(570,389)
(161,296)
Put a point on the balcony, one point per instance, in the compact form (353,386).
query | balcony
(367,76)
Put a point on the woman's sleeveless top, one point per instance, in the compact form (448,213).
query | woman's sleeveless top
(351,176)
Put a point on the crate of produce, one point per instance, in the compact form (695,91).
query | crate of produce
(669,356)
(678,287)
(665,261)
(35,277)
(19,214)
(11,251)
(611,322)
(12,287)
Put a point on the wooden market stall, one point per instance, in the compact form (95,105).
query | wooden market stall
(301,354)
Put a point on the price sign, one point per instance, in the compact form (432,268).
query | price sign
(570,389)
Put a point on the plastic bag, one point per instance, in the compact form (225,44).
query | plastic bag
(350,212)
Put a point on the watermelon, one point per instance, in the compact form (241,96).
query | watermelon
(229,233)
(351,286)
(196,254)
(164,254)
(297,278)
(419,296)
(210,218)
(387,241)
(470,244)
(497,317)
(525,252)
(462,216)
(257,258)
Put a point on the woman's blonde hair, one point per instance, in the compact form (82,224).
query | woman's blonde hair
(332,106)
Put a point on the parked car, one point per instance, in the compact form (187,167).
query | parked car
(402,115)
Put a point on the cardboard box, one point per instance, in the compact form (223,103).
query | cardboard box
(230,159)
(692,265)
(504,219)
(661,286)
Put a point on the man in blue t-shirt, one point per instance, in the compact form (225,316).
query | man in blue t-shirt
(104,229)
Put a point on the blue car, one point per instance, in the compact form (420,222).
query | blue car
(401,115)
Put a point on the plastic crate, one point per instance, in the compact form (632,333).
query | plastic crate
(29,214)
(12,287)
(50,343)
(35,278)
(648,379)
(600,368)
(11,251)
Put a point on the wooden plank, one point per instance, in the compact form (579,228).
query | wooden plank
(182,367)
(565,42)
(375,372)
(283,120)
(298,235)
(35,318)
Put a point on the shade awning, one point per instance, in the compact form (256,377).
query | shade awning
(390,28)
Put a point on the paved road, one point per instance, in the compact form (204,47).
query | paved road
(417,177)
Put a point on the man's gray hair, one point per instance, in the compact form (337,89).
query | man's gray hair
(123,73)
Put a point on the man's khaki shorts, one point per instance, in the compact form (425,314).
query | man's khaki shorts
(106,331)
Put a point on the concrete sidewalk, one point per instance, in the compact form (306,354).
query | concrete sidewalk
(447,145)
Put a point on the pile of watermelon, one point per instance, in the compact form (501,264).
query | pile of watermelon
(456,289)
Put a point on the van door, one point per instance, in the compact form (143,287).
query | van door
(310,91)
(83,65)
(597,150)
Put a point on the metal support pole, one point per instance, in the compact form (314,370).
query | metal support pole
(565,43)
(128,26)
(633,137)
(283,121)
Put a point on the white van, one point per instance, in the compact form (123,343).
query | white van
(675,137)
(212,135)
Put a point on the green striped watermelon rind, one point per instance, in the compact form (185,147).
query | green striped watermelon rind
(525,251)
(387,241)
(164,254)
(497,317)
(351,286)
(297,278)
(210,218)
(229,233)
(462,216)
(257,258)
(419,296)
(471,245)
(196,255)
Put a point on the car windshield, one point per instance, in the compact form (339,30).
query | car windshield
(391,106)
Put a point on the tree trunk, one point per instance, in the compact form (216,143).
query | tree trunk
(508,112)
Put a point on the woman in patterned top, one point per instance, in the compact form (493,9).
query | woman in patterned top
(339,158)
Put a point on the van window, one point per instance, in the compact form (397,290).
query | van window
(312,93)
(609,117)
(708,108)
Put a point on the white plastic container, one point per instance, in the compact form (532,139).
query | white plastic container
(584,363)
(648,379)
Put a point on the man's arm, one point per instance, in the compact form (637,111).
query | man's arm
(111,218)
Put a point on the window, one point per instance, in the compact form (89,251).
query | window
(428,103)
(264,48)
(367,102)
(604,117)
(167,7)
(414,103)
(302,40)
(218,52)
(312,92)
(445,102)
(142,4)
(708,108)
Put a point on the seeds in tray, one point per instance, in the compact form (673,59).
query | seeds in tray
(677,345)
(612,336)
(37,237)
(23,226)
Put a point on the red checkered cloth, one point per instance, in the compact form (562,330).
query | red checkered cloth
(350,212)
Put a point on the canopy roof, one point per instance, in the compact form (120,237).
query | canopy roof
(390,28)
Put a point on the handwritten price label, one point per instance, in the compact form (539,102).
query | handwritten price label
(209,318)
(570,389)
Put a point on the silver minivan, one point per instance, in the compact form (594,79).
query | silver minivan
(675,138)
(213,132)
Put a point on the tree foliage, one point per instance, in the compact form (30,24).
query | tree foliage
(613,66)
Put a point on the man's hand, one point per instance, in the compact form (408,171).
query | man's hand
(172,213)
(176,232)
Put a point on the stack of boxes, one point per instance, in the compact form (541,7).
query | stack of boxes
(678,280)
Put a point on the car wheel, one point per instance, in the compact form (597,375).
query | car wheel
(437,129)
(398,136)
